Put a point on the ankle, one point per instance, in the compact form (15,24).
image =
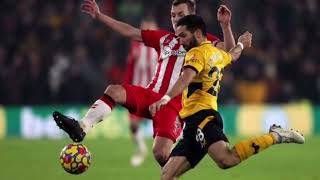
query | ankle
(85,127)
(276,137)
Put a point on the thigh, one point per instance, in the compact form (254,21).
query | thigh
(163,145)
(218,151)
(202,129)
(139,99)
(211,137)
(166,123)
(188,147)
(210,130)
(207,126)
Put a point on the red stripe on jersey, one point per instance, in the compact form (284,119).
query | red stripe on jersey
(148,62)
(167,63)
(138,77)
(155,77)
(168,74)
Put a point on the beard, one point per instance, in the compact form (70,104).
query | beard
(193,43)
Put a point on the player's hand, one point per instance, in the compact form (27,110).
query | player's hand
(224,15)
(153,108)
(90,7)
(246,39)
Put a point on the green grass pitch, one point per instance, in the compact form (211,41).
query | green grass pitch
(38,160)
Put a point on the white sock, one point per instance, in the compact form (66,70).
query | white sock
(95,114)
(139,139)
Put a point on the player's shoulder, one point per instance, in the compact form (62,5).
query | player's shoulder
(195,52)
(205,51)
(204,47)
(214,51)
(167,37)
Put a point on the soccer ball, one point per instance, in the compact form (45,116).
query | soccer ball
(75,158)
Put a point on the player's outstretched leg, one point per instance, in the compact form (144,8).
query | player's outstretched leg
(97,112)
(70,126)
(227,158)
(167,128)
(276,135)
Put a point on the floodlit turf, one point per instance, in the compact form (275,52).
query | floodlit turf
(38,160)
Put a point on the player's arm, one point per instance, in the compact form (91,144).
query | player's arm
(194,64)
(244,41)
(90,7)
(183,82)
(224,17)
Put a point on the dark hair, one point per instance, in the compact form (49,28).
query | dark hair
(190,3)
(192,23)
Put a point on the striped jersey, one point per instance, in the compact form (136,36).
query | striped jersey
(171,58)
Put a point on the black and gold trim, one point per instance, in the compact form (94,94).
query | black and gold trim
(193,87)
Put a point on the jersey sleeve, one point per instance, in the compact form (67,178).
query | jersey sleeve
(226,57)
(151,38)
(195,60)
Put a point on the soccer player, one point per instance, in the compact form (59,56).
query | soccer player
(141,64)
(200,84)
(166,124)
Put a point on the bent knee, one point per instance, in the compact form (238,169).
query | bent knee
(161,156)
(116,92)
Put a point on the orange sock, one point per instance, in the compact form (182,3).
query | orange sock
(247,148)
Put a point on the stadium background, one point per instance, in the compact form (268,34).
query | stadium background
(54,57)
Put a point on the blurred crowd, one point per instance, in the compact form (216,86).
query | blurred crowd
(51,53)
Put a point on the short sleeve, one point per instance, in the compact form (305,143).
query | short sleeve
(195,60)
(151,38)
(226,57)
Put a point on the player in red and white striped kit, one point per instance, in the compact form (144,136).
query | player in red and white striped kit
(166,123)
(141,64)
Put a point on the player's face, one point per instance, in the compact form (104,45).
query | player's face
(178,12)
(186,38)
